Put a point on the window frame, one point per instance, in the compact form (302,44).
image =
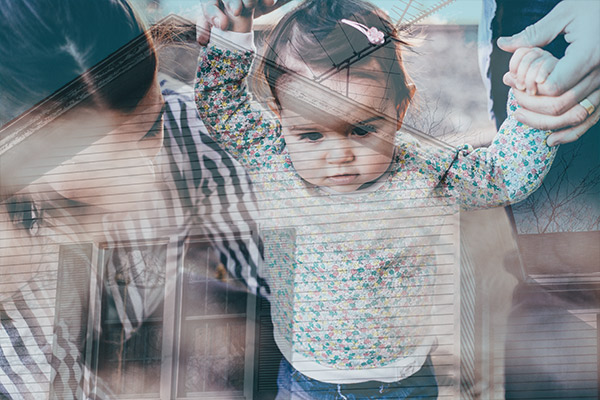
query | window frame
(172,322)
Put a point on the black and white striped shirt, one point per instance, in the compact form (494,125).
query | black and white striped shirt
(205,193)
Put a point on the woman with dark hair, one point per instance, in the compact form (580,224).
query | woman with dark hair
(99,149)
(44,48)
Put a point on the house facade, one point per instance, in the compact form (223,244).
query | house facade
(144,307)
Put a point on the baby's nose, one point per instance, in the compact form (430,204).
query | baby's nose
(341,152)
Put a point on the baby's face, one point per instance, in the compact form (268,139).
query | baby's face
(338,143)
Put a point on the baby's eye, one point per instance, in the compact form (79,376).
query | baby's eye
(363,130)
(25,214)
(311,136)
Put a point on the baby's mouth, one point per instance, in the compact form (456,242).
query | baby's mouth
(343,179)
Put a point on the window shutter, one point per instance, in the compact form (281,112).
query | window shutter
(268,355)
(70,323)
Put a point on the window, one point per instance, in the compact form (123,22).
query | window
(129,358)
(187,329)
(213,326)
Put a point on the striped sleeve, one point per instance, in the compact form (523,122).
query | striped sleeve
(215,190)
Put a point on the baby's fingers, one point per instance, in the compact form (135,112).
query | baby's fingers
(538,71)
(515,62)
(525,63)
(546,68)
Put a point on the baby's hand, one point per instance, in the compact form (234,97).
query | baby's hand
(530,66)
(229,15)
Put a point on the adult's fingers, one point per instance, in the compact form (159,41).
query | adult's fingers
(580,59)
(260,7)
(236,7)
(573,133)
(578,20)
(573,117)
(233,7)
(215,15)
(539,34)
(556,105)
(583,52)
(211,14)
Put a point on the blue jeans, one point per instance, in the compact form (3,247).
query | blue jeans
(292,385)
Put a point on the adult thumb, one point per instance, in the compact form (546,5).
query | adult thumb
(539,34)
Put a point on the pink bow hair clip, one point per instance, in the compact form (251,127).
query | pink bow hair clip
(374,35)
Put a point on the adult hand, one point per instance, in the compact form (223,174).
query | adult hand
(215,13)
(575,77)
(568,121)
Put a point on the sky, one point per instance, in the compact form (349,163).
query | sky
(457,12)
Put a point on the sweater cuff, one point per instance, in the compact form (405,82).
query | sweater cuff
(229,40)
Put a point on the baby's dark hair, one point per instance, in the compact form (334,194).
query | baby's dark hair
(313,34)
(45,44)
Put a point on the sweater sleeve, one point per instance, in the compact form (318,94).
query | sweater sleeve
(239,124)
(506,172)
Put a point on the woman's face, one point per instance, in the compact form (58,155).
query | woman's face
(70,203)
(23,253)
(116,163)
(112,176)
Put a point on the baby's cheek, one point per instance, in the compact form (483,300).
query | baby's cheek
(306,170)
(301,159)
(376,164)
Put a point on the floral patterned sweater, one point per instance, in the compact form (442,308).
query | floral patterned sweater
(353,275)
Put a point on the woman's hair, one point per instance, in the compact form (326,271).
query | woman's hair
(45,44)
(314,35)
